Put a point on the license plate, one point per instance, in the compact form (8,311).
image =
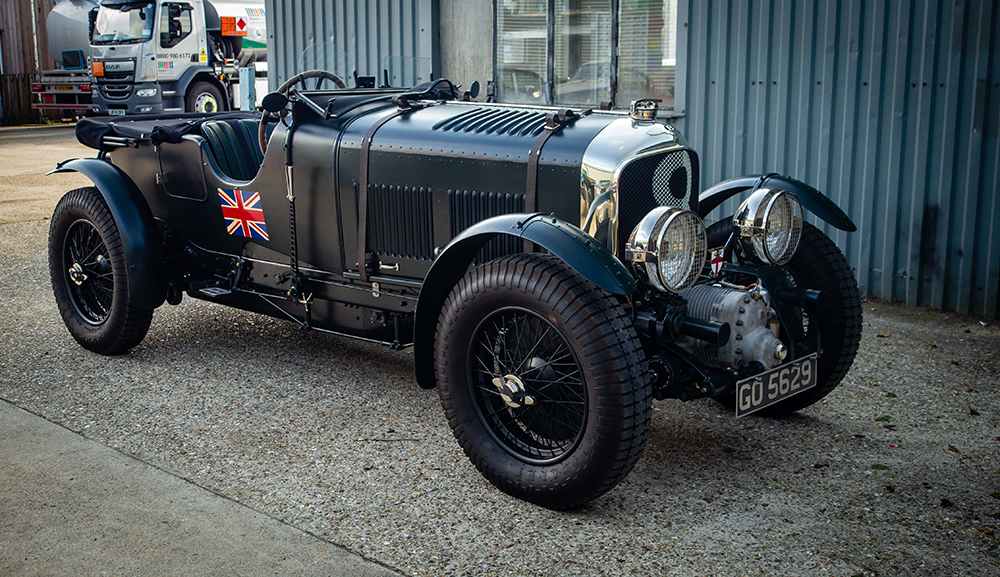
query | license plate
(62,88)
(116,112)
(775,385)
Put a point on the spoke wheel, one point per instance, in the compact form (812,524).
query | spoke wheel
(543,380)
(90,275)
(89,279)
(528,385)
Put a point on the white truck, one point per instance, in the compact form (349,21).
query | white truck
(152,56)
(158,56)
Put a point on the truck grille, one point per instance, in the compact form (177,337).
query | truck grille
(668,179)
(116,91)
(116,85)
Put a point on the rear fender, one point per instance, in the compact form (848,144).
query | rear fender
(580,251)
(141,240)
(812,200)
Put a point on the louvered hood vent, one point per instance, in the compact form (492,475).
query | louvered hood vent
(495,121)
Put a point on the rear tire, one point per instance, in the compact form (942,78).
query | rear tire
(89,275)
(530,320)
(820,265)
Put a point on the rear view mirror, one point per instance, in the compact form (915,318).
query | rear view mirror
(474,89)
(274,102)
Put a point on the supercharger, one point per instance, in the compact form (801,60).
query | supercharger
(755,326)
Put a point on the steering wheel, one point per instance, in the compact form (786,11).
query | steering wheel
(284,88)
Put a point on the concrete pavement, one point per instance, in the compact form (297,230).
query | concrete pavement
(71,506)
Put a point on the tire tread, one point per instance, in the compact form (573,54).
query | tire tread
(126,325)
(608,336)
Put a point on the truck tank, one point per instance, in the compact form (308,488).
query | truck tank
(252,30)
(68,29)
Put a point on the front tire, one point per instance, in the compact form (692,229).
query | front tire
(89,275)
(543,380)
(204,97)
(820,265)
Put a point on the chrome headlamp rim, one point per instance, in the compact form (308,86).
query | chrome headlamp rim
(752,219)
(644,251)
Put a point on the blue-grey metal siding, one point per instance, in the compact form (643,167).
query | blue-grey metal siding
(890,107)
(366,29)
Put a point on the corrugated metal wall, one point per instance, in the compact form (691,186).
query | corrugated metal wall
(20,22)
(890,107)
(366,29)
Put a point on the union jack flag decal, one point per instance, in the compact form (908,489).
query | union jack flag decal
(243,213)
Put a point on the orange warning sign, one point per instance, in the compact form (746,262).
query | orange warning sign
(229,27)
(97,68)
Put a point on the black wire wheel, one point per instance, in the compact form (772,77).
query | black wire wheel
(543,380)
(89,279)
(89,275)
(527,385)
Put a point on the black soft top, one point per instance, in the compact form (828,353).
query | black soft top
(157,129)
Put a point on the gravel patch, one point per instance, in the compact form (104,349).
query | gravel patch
(895,473)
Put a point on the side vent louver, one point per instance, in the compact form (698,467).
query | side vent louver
(495,121)
(400,221)
(469,207)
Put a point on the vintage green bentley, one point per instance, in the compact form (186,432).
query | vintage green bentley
(550,267)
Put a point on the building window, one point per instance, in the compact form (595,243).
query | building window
(648,48)
(521,51)
(584,52)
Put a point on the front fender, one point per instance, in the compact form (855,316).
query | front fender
(580,251)
(141,240)
(811,199)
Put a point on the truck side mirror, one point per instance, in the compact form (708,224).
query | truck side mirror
(92,19)
(175,29)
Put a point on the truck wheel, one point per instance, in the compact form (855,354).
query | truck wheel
(89,275)
(819,264)
(204,97)
(543,380)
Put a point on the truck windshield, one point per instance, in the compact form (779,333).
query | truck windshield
(123,23)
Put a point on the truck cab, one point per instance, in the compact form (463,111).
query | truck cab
(154,56)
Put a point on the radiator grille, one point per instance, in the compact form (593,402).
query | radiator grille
(668,179)
(400,221)
(469,207)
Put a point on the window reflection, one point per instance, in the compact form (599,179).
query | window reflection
(582,65)
(521,46)
(647,57)
(581,51)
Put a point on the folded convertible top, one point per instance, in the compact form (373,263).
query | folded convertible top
(157,129)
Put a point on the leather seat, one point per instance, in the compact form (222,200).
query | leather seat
(233,144)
